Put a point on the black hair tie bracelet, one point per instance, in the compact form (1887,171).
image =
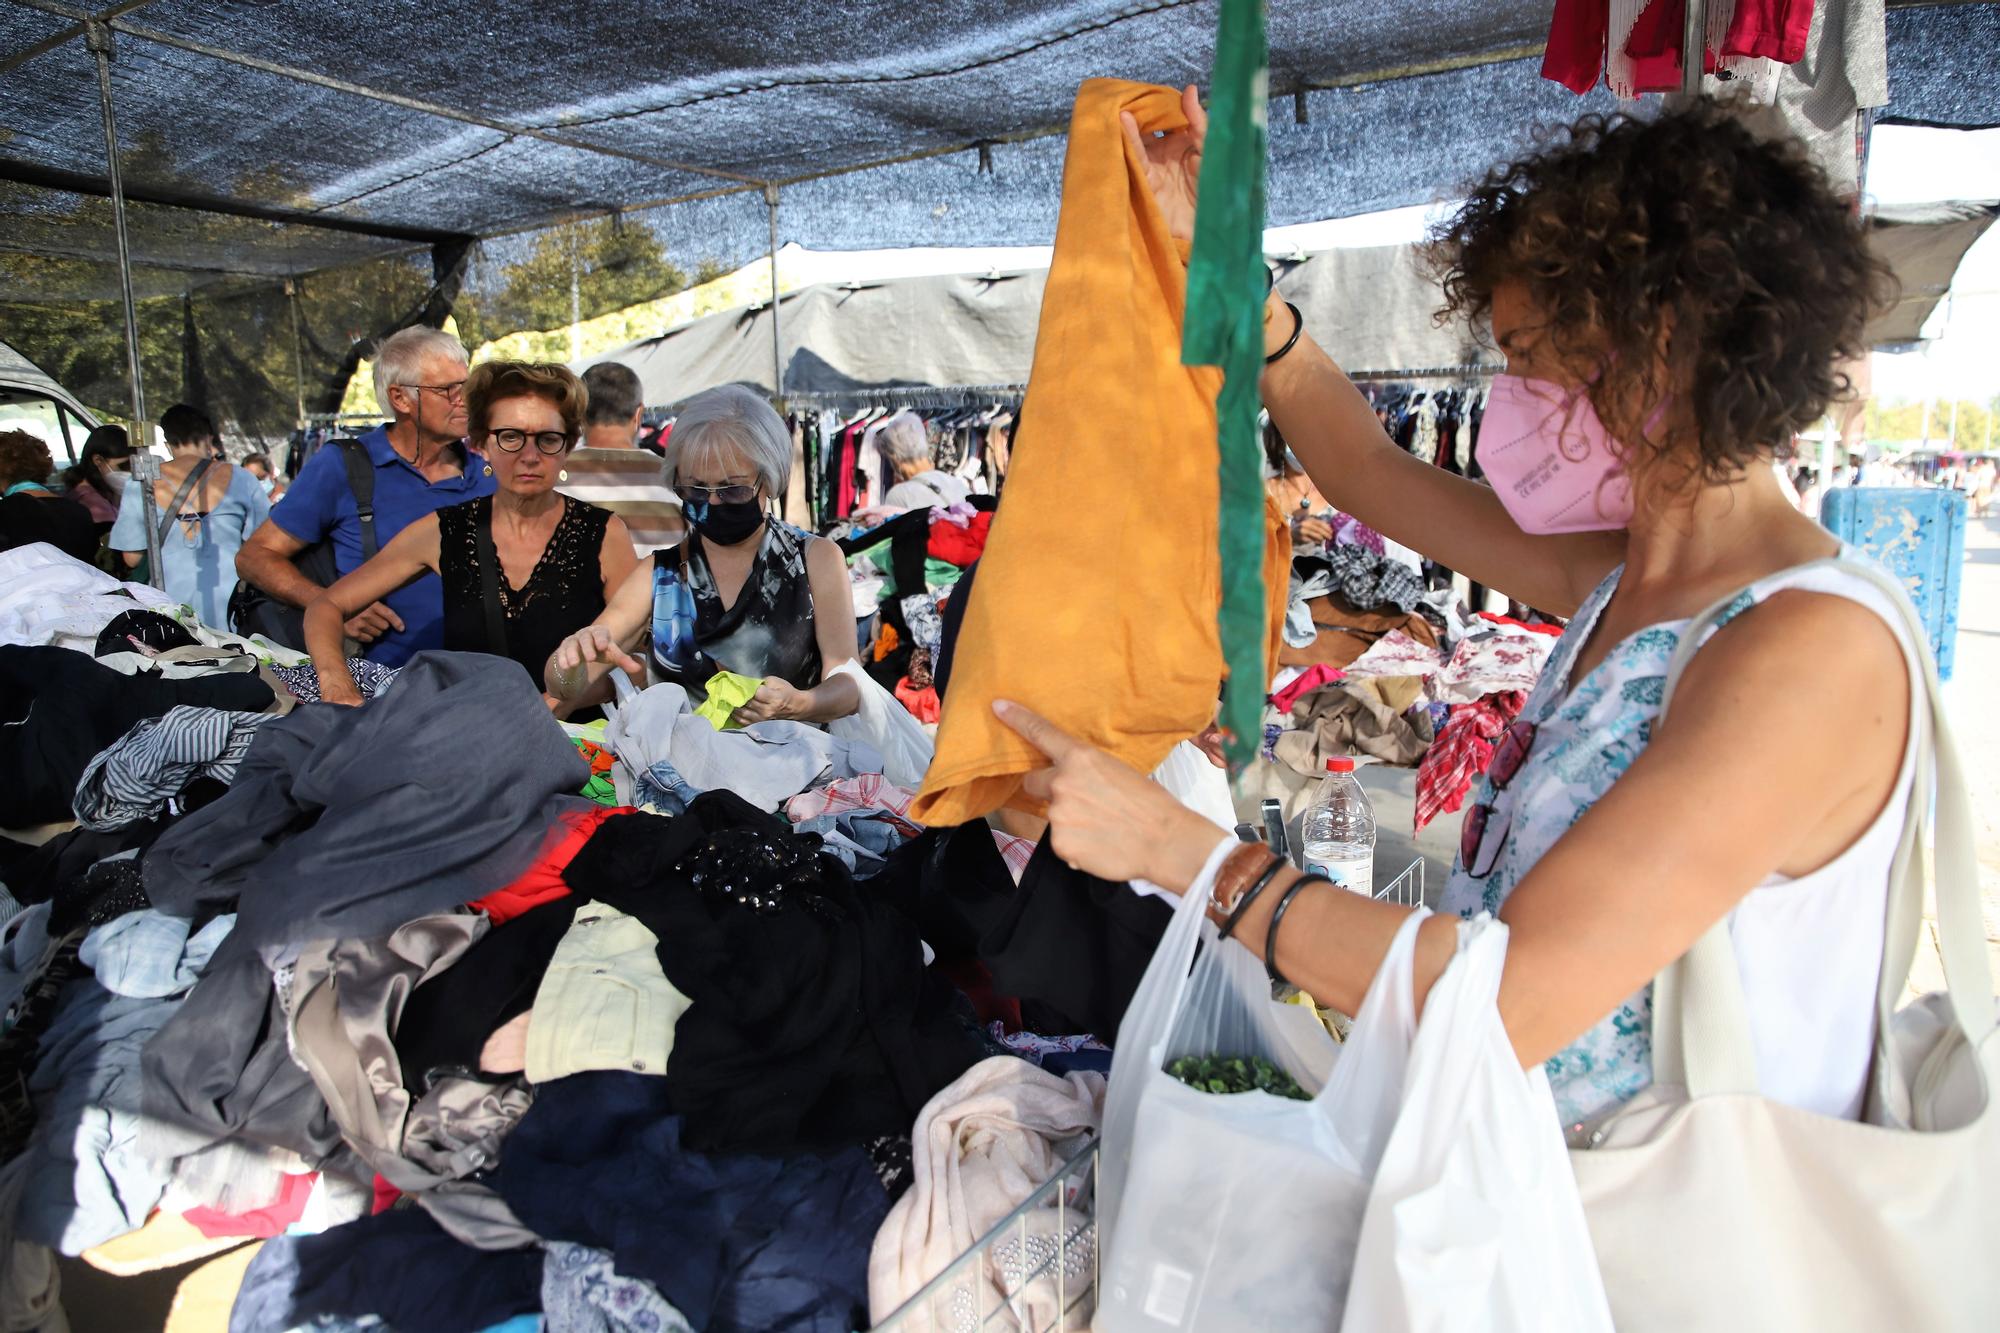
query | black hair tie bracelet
(1298,327)
(1277,917)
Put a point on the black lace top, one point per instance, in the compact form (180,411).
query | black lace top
(564,593)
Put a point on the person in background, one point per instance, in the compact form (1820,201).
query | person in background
(1298,499)
(259,466)
(421,465)
(558,559)
(919,484)
(101,472)
(30,510)
(611,471)
(1607,836)
(1985,474)
(203,509)
(745,592)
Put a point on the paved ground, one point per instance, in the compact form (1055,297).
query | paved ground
(1970,698)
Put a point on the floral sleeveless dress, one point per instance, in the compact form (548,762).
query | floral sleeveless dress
(1587,733)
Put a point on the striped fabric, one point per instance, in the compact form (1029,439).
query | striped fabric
(148,765)
(632,484)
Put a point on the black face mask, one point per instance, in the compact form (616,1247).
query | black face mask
(725,524)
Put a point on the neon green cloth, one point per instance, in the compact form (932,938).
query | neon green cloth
(727,692)
(1225,327)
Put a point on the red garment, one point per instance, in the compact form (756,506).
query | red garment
(542,882)
(385,1197)
(1575,54)
(923,704)
(956,545)
(1314,678)
(1772,29)
(1461,753)
(1554,631)
(263,1223)
(1579,30)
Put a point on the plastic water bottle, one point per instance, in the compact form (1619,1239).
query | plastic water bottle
(1339,831)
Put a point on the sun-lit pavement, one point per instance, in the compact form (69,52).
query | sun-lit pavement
(1970,698)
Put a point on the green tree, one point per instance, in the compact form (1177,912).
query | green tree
(575,269)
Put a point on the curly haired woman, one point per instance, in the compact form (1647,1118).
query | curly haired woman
(1672,297)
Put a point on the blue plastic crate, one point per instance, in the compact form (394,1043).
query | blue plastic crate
(1919,535)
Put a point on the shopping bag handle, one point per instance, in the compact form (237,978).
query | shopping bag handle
(1701,1028)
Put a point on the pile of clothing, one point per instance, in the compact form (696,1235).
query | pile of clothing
(644,1026)
(1377,665)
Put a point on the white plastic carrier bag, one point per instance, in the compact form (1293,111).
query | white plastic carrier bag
(1474,1221)
(884,723)
(1241,1210)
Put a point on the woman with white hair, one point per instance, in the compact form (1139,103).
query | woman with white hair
(919,484)
(746,592)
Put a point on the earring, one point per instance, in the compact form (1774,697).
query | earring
(489,469)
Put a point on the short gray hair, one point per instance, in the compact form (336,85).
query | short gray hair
(904,440)
(615,394)
(401,355)
(732,418)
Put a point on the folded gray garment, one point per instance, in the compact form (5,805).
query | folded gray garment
(349,822)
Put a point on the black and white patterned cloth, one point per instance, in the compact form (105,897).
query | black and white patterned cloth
(303,680)
(150,764)
(1370,582)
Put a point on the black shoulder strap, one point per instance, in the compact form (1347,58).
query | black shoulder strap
(188,483)
(489,580)
(361,480)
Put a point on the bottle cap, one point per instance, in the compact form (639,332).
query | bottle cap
(1343,764)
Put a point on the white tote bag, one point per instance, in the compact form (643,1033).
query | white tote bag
(1713,1207)
(1240,1211)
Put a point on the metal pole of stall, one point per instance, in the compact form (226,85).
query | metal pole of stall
(298,353)
(145,467)
(777,344)
(1694,46)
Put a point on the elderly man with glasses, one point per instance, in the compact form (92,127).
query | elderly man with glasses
(409,467)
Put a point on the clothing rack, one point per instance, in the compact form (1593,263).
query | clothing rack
(1425,373)
(916,395)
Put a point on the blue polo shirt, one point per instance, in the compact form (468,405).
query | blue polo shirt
(320,503)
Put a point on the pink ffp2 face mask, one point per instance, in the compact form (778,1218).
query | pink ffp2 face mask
(1551,460)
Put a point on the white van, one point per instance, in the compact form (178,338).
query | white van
(35,403)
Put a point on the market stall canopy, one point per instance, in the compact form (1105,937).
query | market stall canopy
(265,143)
(1924,244)
(1371,307)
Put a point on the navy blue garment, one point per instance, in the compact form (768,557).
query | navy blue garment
(738,1244)
(400,1266)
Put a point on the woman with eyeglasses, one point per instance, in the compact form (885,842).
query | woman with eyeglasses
(745,592)
(1673,297)
(521,568)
